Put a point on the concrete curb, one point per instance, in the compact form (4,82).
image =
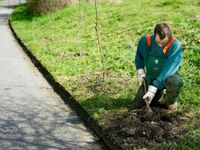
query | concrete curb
(67,97)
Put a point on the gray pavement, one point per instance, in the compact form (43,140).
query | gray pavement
(32,116)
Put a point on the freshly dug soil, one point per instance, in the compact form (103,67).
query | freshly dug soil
(144,130)
(134,129)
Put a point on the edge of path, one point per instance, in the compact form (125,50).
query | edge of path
(66,96)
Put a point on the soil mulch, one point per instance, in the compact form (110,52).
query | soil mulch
(134,129)
(144,130)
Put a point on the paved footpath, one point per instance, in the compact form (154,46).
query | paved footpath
(32,116)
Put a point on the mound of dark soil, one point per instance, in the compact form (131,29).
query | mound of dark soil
(140,129)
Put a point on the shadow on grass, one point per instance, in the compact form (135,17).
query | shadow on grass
(188,142)
(102,103)
(110,95)
(21,13)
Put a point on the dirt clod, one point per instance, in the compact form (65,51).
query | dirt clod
(141,129)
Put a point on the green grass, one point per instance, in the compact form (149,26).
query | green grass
(52,38)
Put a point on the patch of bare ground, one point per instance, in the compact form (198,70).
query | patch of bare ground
(140,129)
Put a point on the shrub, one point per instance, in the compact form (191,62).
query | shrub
(43,6)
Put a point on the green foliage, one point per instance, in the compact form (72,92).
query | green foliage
(186,143)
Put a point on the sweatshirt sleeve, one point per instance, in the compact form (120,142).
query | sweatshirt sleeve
(171,66)
(139,58)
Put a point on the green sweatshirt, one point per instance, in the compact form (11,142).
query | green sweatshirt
(172,63)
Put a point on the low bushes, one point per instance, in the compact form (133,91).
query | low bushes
(43,6)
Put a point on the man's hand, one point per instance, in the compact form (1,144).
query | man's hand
(141,73)
(150,93)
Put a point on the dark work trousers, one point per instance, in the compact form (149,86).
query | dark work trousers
(173,86)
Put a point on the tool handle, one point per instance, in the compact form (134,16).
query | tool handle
(146,99)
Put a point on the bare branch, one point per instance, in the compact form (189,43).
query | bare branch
(98,39)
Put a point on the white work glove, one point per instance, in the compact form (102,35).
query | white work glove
(141,73)
(150,93)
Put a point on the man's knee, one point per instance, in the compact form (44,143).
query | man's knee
(173,85)
(174,81)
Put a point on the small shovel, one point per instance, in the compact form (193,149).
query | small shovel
(149,110)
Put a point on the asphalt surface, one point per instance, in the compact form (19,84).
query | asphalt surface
(32,116)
